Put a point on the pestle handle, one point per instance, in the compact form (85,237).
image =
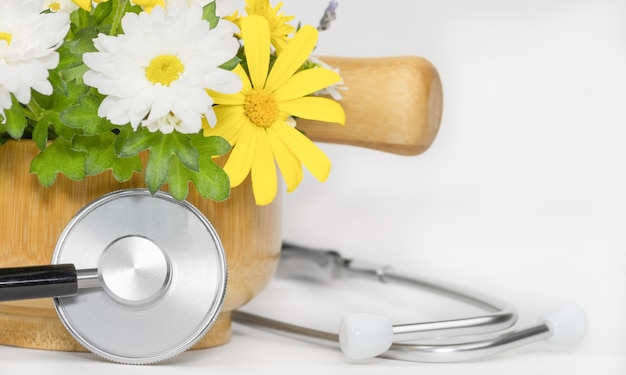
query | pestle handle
(392,104)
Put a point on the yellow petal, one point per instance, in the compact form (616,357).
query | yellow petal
(240,160)
(229,124)
(225,112)
(292,57)
(255,33)
(315,108)
(247,86)
(227,99)
(289,165)
(263,173)
(306,82)
(84,4)
(306,151)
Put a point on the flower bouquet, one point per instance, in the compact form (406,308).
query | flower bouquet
(97,84)
(192,96)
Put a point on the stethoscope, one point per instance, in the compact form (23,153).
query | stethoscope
(139,278)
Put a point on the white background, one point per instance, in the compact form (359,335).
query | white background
(522,195)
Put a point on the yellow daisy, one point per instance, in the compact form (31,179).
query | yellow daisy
(280,29)
(255,120)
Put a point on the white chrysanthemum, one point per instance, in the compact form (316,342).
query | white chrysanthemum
(67,6)
(28,43)
(161,67)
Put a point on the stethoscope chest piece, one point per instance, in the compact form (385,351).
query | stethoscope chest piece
(152,276)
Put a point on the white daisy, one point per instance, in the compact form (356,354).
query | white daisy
(28,43)
(161,67)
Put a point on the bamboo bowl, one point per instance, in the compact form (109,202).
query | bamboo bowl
(404,121)
(33,217)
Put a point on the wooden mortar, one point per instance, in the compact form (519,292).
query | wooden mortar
(391,104)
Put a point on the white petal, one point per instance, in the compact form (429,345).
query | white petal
(118,69)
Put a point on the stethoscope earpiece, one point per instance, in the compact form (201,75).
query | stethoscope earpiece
(363,335)
(568,325)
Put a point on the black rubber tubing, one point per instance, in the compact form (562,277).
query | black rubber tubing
(58,280)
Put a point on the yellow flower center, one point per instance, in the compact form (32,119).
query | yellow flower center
(164,69)
(261,107)
(55,6)
(6,36)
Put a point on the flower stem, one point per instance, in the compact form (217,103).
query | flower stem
(117,18)
(34,108)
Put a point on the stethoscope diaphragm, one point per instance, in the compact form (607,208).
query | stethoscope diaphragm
(158,273)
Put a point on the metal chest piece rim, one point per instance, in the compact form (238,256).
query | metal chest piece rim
(158,271)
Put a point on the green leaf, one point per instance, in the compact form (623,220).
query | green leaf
(41,131)
(75,90)
(84,40)
(165,145)
(210,180)
(100,156)
(162,147)
(57,158)
(4,136)
(15,119)
(70,67)
(177,159)
(57,82)
(157,168)
(210,146)
(68,58)
(84,115)
(208,14)
(78,19)
(101,12)
(51,109)
(231,64)
(178,179)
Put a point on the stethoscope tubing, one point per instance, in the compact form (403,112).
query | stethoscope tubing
(330,265)
(426,353)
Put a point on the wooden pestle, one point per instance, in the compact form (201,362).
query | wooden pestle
(392,104)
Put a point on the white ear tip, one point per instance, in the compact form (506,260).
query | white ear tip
(365,335)
(568,325)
